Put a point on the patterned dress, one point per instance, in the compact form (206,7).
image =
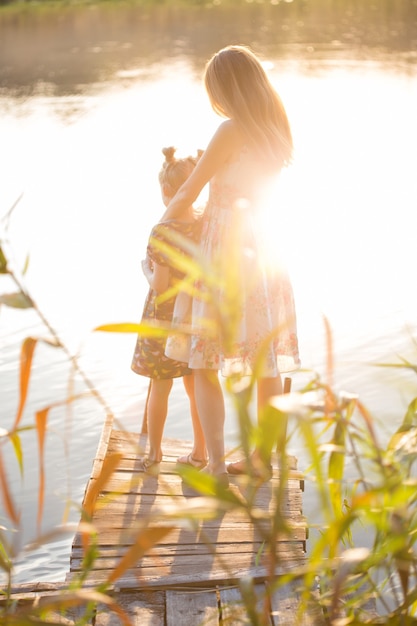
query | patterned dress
(242,314)
(149,357)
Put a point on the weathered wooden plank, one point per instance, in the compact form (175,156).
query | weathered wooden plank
(192,608)
(267,502)
(131,463)
(43,588)
(99,458)
(168,469)
(364,600)
(199,560)
(147,566)
(193,549)
(145,504)
(240,486)
(172,485)
(162,506)
(169,484)
(176,574)
(155,514)
(288,610)
(235,613)
(209,533)
(103,445)
(176,447)
(204,566)
(236,517)
(167,579)
(142,608)
(109,553)
(212,538)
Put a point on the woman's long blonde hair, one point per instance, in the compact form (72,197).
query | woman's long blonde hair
(239,89)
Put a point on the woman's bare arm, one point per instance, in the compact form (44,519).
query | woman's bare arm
(222,145)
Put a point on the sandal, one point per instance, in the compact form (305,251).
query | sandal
(190,461)
(148,466)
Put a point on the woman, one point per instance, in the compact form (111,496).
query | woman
(246,153)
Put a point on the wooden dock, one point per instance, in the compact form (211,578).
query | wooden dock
(203,566)
(211,552)
(165,555)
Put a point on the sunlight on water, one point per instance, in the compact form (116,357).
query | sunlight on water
(342,211)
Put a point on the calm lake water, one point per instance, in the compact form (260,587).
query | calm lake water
(88,98)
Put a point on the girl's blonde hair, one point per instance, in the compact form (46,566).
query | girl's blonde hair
(174,171)
(239,89)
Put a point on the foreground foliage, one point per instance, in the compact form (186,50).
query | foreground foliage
(357,481)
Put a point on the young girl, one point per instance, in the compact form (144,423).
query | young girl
(246,153)
(149,358)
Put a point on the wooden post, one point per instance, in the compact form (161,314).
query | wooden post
(282,437)
(287,384)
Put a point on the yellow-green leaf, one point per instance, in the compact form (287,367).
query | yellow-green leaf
(17,445)
(17,300)
(26,265)
(3,263)
(130,327)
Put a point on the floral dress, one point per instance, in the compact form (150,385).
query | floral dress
(149,357)
(242,313)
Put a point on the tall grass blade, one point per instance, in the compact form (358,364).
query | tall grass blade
(145,540)
(336,467)
(110,463)
(7,496)
(329,351)
(41,419)
(26,357)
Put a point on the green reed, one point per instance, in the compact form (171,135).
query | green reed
(347,584)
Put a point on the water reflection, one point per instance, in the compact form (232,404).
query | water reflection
(62,50)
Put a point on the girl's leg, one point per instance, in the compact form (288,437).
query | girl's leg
(210,406)
(198,452)
(157,413)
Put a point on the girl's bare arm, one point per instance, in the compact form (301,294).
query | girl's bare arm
(160,278)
